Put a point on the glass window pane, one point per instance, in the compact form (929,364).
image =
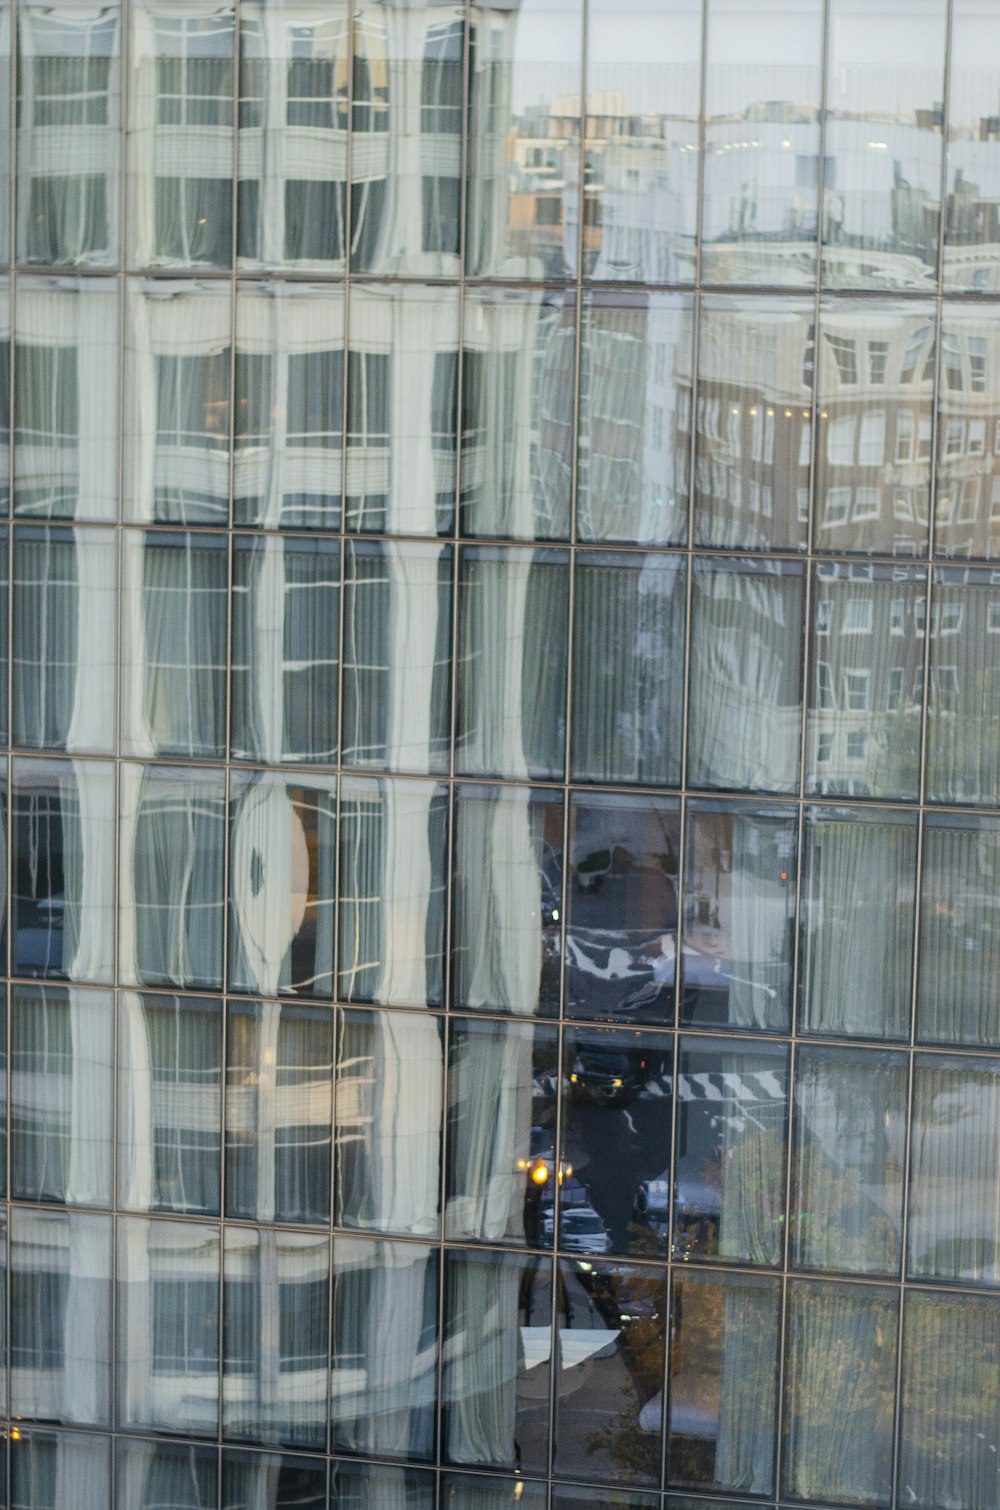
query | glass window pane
(173,694)
(66,396)
(281,884)
(397,655)
(518,383)
(168,1330)
(866,682)
(847,1171)
(951,1376)
(621,939)
(362,1486)
(384,1385)
(68,118)
(576,1497)
(858,906)
(488,1492)
(745,675)
(177,418)
(971,229)
(614,1175)
(402,406)
(635,417)
(64,638)
(393,843)
(762,141)
(497,1348)
(873,448)
(723,1384)
(507,906)
(60,1317)
(524,139)
(275,1336)
(49,1468)
(153,1474)
(61,1095)
(959,932)
(171,910)
(388,1109)
(501,1162)
(955,1176)
(279,1108)
(754,417)
(885,87)
(609,1400)
(729,1199)
(967,503)
(293,115)
(62,898)
(288,405)
(643,71)
(963,754)
(840,1379)
(739,913)
(181,139)
(252,1479)
(513,630)
(628,668)
(169,1103)
(285,650)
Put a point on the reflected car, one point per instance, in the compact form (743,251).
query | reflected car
(607,1074)
(581,1230)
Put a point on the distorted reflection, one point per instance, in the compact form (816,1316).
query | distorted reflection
(524,139)
(863,734)
(614,1176)
(177,415)
(61,1097)
(170,1100)
(972,226)
(621,937)
(641,172)
(288,406)
(754,422)
(635,417)
(856,924)
(172,831)
(497,1375)
(275,1336)
(739,916)
(513,630)
(47,1467)
(389,1105)
(502,1165)
(66,399)
(151,1474)
(963,754)
(294,90)
(723,1383)
(490,1492)
(960,931)
(882,178)
(967,501)
(279,1106)
(518,375)
(397,655)
(62,896)
(746,654)
(383,1392)
(762,141)
(508,899)
(283,858)
(729,1196)
(268,1481)
(364,1486)
(847,1190)
(611,1340)
(402,409)
(181,139)
(840,1373)
(285,649)
(64,633)
(174,635)
(873,444)
(68,133)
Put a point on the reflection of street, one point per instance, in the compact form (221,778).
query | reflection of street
(613,1149)
(594,1380)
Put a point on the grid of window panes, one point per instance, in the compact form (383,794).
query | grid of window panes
(501,655)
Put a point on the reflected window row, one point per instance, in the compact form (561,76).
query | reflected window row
(350,1357)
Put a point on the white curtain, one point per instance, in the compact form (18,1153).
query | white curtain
(761,930)
(954,1227)
(490,1088)
(858,936)
(754,1129)
(744,1452)
(960,935)
(963,751)
(484,1359)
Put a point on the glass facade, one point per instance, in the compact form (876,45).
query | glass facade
(500,700)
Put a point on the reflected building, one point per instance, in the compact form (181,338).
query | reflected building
(498,597)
